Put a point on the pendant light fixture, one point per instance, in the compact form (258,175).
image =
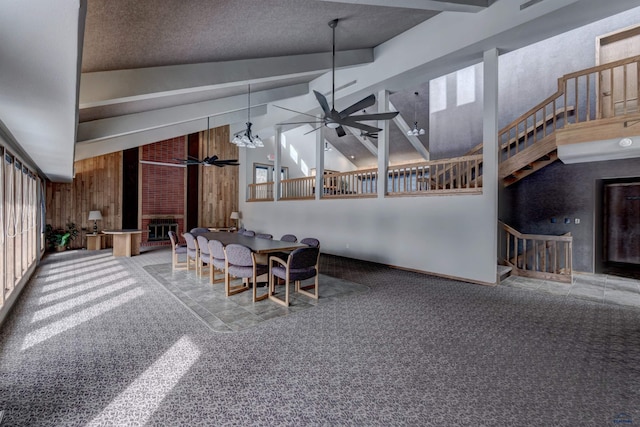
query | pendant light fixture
(415,131)
(247,139)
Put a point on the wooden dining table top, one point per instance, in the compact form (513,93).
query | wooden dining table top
(258,245)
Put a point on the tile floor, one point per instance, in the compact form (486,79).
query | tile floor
(603,288)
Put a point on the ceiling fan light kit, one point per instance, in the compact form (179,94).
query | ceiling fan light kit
(334,119)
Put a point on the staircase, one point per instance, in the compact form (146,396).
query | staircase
(606,94)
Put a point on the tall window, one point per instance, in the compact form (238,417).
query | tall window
(438,94)
(466,85)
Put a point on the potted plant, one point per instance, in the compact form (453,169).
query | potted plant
(58,238)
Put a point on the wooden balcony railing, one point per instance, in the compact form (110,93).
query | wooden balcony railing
(605,91)
(262,192)
(357,184)
(447,176)
(536,256)
(298,188)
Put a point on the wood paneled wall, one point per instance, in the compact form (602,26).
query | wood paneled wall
(218,186)
(97,185)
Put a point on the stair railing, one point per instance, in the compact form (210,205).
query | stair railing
(537,256)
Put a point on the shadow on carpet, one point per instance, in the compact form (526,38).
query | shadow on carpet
(209,303)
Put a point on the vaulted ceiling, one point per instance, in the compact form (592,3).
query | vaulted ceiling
(81,78)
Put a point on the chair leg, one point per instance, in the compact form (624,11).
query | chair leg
(303,289)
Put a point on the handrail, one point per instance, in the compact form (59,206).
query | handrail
(297,188)
(360,183)
(536,255)
(445,176)
(580,98)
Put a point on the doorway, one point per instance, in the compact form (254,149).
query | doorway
(621,227)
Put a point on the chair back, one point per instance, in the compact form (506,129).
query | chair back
(311,241)
(203,244)
(241,230)
(174,238)
(192,245)
(238,255)
(289,238)
(199,230)
(303,258)
(249,233)
(216,249)
(264,236)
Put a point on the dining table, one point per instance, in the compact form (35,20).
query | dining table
(256,244)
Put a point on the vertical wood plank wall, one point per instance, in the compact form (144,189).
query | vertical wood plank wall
(218,186)
(97,186)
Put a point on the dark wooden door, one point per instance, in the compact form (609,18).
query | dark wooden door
(622,223)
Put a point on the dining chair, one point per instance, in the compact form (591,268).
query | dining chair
(193,254)
(311,241)
(205,257)
(264,236)
(176,250)
(301,264)
(241,230)
(289,238)
(240,261)
(198,230)
(249,233)
(216,252)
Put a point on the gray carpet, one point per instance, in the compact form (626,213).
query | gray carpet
(97,341)
(209,303)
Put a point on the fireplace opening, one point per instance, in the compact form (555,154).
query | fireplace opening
(159,229)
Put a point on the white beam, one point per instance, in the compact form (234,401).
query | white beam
(113,87)
(383,144)
(435,5)
(413,140)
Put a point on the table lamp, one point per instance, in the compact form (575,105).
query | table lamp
(235,215)
(95,216)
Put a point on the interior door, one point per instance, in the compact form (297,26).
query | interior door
(618,87)
(622,223)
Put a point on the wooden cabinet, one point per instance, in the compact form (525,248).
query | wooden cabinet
(94,242)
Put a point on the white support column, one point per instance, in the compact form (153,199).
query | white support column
(319,161)
(277,193)
(383,144)
(490,147)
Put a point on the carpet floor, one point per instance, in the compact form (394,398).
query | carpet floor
(96,340)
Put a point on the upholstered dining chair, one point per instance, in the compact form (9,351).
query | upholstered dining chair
(264,236)
(216,252)
(301,264)
(193,254)
(176,250)
(241,230)
(240,261)
(311,241)
(289,238)
(205,257)
(198,230)
(249,233)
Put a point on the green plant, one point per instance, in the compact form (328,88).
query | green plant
(60,238)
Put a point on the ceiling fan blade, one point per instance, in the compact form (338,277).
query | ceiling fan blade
(361,126)
(300,123)
(340,131)
(323,102)
(360,105)
(294,111)
(313,130)
(375,116)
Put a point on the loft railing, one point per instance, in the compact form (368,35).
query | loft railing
(262,192)
(298,188)
(447,176)
(356,184)
(536,256)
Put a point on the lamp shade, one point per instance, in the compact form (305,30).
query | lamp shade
(234,215)
(95,216)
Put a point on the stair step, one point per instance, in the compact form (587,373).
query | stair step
(504,271)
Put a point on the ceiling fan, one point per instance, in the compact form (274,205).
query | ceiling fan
(337,119)
(209,161)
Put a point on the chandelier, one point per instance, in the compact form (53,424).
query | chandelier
(246,138)
(415,131)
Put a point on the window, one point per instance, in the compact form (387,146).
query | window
(438,94)
(466,86)
(264,173)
